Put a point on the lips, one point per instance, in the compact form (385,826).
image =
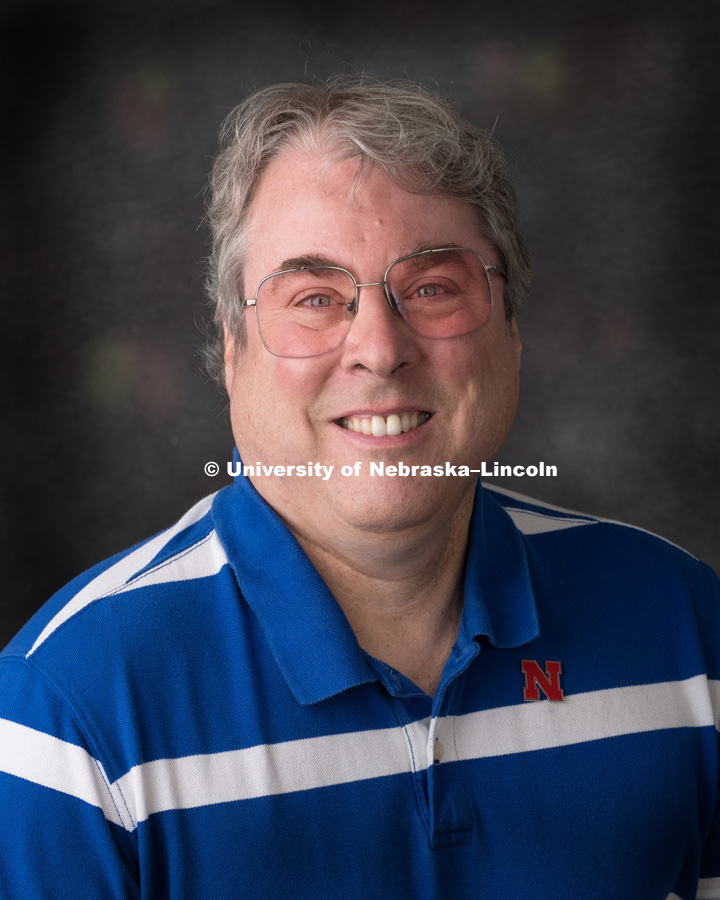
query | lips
(380,426)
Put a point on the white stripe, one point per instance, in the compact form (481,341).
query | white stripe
(114,578)
(52,763)
(529,521)
(419,744)
(338,759)
(573,512)
(708,889)
(266,770)
(714,688)
(523,498)
(201,560)
(591,716)
(673,897)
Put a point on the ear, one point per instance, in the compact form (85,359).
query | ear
(515,336)
(229,358)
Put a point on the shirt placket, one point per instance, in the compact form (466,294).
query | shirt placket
(450,817)
(440,786)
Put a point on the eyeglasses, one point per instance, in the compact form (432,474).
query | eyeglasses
(308,311)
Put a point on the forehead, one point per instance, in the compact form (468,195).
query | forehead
(310,204)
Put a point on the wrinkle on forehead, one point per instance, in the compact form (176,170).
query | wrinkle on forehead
(301,194)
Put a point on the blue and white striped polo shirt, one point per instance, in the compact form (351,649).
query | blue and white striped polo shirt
(194,718)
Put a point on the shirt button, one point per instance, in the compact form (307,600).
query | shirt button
(437,751)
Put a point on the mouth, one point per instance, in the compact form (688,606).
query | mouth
(380,426)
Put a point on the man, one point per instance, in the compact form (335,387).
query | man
(324,680)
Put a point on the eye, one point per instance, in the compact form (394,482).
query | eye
(428,290)
(317,301)
(432,290)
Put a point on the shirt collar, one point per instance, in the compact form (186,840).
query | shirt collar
(499,598)
(308,634)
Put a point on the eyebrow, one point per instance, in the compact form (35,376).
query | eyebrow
(312,260)
(304,262)
(423,248)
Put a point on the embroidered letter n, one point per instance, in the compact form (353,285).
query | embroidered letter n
(536,680)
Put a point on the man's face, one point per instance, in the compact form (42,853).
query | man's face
(463,391)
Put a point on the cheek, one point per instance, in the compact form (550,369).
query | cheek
(487,369)
(273,400)
(499,396)
(499,380)
(296,386)
(485,404)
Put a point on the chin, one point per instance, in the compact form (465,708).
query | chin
(392,503)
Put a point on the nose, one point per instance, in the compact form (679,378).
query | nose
(379,340)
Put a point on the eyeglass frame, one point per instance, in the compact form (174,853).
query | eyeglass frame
(353,306)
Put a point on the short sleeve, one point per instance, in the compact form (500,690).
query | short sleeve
(63,832)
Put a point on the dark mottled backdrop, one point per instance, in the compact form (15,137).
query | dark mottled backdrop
(609,113)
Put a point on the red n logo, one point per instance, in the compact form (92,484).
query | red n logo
(536,680)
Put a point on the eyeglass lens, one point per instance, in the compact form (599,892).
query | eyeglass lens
(440,294)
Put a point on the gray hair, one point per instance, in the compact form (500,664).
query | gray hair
(414,135)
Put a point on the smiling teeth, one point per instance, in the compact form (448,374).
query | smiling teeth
(380,426)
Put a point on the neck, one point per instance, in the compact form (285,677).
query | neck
(401,592)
